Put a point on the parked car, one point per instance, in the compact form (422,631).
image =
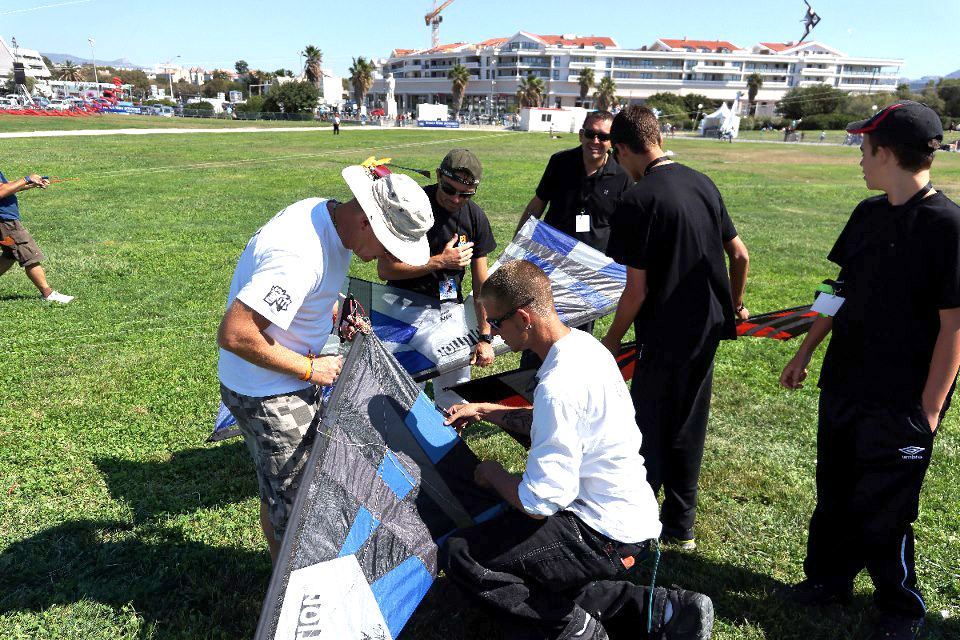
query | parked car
(58,105)
(377,112)
(7,103)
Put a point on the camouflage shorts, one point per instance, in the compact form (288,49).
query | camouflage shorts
(279,432)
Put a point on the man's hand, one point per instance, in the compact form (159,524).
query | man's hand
(460,416)
(486,471)
(483,354)
(742,314)
(613,346)
(454,257)
(37,181)
(326,369)
(796,371)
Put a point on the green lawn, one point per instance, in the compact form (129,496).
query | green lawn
(118,521)
(10,123)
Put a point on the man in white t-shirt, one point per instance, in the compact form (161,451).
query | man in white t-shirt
(280,312)
(583,511)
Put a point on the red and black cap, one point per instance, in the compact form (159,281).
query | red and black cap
(907,122)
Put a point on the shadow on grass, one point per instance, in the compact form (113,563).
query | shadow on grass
(181,588)
(192,479)
(18,296)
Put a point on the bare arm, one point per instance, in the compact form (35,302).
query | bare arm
(242,331)
(517,420)
(492,474)
(534,208)
(483,355)
(14,186)
(634,293)
(796,370)
(943,366)
(390,268)
(739,266)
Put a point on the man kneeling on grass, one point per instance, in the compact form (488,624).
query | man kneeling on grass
(583,509)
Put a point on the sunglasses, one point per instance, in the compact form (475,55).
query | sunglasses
(590,134)
(496,323)
(451,191)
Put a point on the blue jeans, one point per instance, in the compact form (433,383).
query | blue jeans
(544,575)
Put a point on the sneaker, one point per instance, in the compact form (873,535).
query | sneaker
(811,592)
(688,544)
(592,630)
(690,616)
(56,296)
(894,626)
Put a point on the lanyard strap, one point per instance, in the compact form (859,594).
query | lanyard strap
(655,162)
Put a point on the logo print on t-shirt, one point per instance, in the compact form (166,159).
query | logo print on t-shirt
(278,297)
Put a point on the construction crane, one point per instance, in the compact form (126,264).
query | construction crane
(433,20)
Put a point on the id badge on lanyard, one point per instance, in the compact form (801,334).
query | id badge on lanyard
(583,222)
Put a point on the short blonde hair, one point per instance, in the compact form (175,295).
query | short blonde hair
(520,283)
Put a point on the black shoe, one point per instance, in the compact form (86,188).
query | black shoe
(894,626)
(811,592)
(691,617)
(592,630)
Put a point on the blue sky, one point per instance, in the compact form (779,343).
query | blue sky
(270,35)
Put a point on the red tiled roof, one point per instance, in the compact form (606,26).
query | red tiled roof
(777,46)
(576,42)
(448,47)
(492,42)
(713,45)
(403,52)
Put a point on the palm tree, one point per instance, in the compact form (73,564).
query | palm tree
(586,83)
(530,91)
(754,82)
(70,72)
(460,77)
(312,62)
(606,95)
(361,77)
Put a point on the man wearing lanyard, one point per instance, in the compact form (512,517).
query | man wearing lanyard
(888,374)
(460,236)
(671,231)
(582,187)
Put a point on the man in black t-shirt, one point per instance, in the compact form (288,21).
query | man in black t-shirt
(888,374)
(460,236)
(582,185)
(672,232)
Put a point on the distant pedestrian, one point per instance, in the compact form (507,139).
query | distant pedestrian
(336,124)
(16,242)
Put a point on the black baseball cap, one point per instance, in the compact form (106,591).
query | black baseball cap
(462,160)
(907,122)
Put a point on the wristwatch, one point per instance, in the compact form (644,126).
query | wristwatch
(486,337)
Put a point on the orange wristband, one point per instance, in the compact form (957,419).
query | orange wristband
(308,373)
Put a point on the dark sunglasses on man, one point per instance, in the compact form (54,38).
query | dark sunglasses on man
(449,189)
(496,323)
(590,134)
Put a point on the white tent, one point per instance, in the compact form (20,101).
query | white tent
(723,121)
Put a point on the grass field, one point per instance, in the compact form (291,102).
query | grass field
(118,521)
(9,123)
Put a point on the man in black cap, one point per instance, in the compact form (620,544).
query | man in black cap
(888,373)
(460,236)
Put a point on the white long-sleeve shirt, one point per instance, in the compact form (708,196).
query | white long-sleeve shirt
(585,444)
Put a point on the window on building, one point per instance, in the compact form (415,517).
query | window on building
(546,117)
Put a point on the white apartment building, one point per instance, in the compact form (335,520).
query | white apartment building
(715,69)
(32,62)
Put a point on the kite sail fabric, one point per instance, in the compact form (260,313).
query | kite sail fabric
(778,325)
(385,483)
(586,284)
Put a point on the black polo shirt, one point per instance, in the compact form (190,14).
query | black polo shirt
(469,222)
(899,267)
(673,224)
(569,191)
